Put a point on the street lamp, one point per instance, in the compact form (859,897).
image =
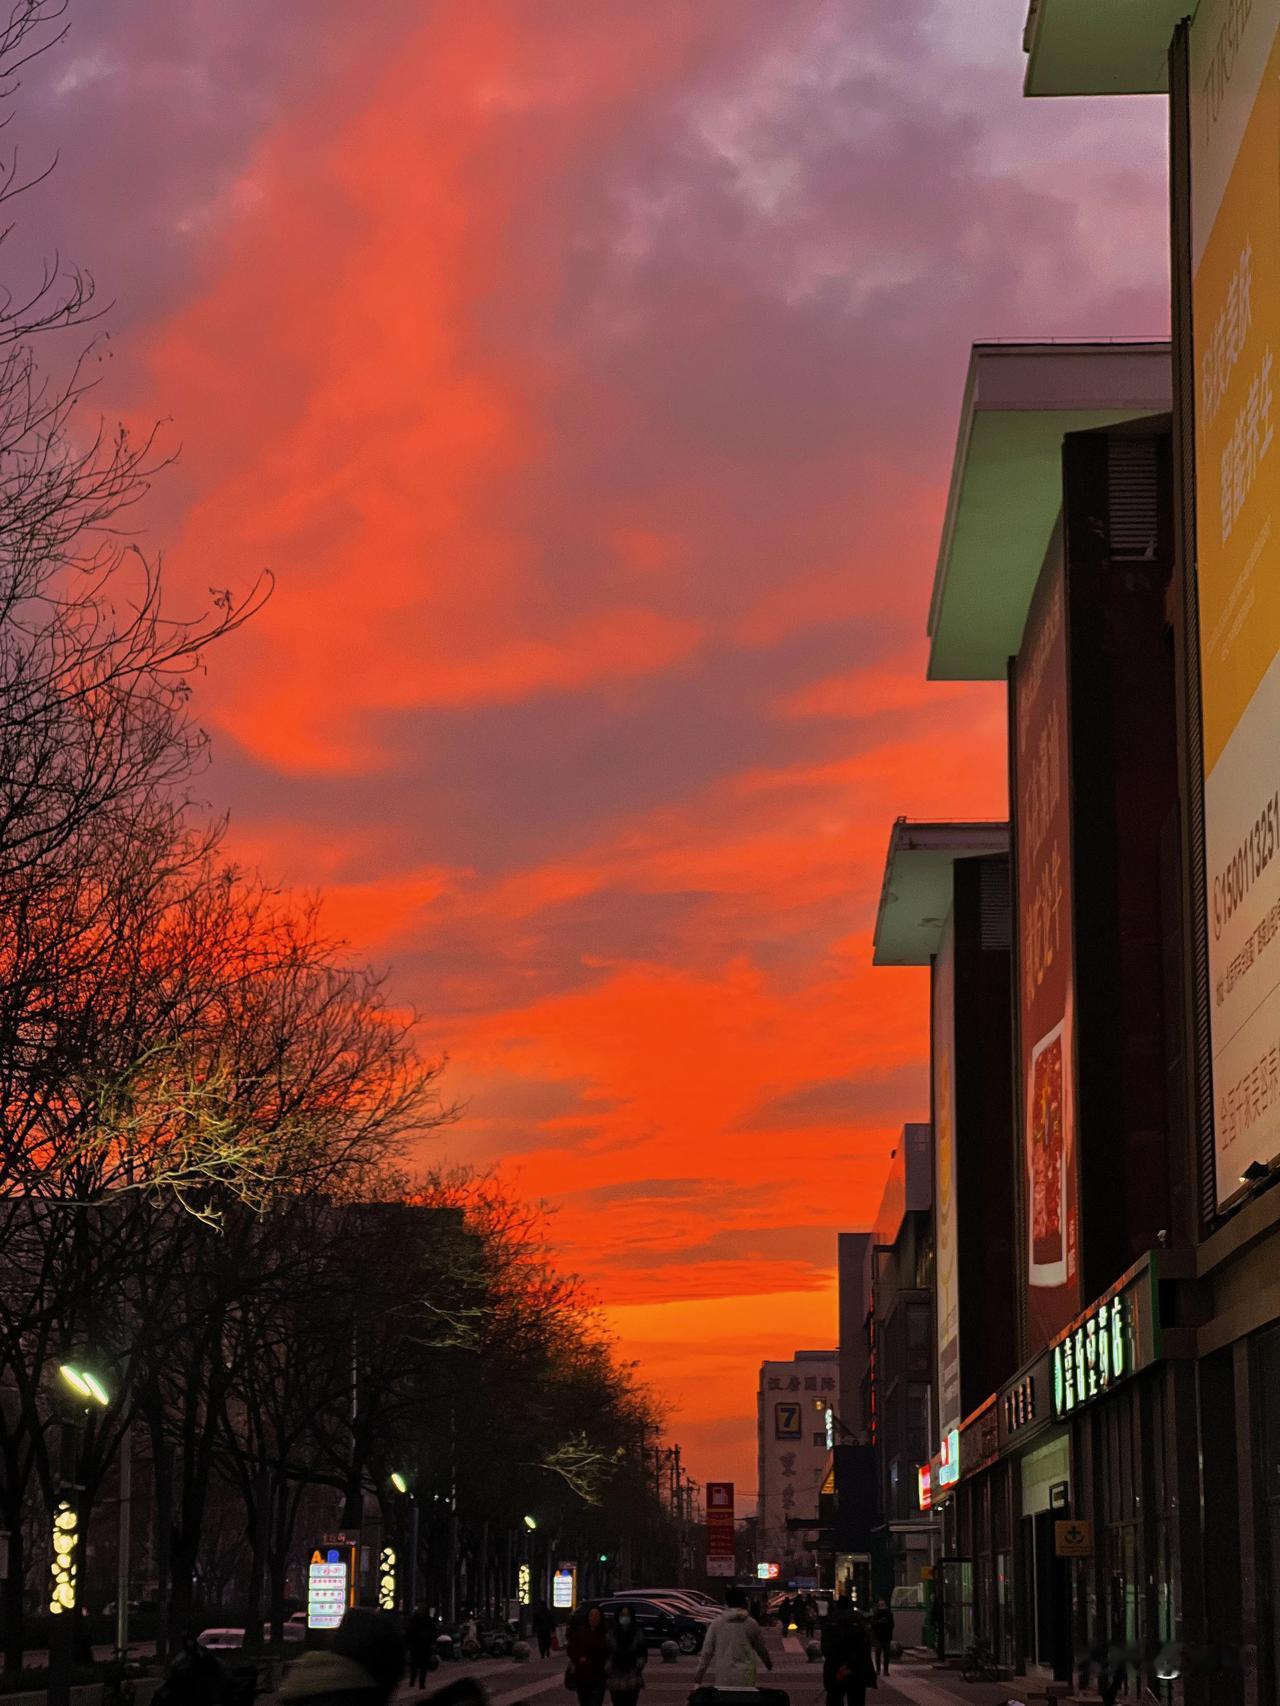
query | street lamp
(84,1382)
(401,1485)
(531,1522)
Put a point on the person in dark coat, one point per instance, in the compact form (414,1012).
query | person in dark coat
(588,1650)
(628,1654)
(544,1627)
(847,1670)
(882,1635)
(422,1632)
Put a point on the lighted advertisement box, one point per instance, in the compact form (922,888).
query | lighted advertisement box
(946,1267)
(330,1584)
(1235,240)
(564,1587)
(1046,979)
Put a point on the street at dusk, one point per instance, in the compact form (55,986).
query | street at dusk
(639,697)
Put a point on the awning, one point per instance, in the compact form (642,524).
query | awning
(1100,47)
(916,894)
(1020,401)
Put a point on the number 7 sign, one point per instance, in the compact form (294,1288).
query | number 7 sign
(786,1421)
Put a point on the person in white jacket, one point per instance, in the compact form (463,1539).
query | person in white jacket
(733,1646)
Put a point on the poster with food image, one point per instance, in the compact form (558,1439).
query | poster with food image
(1040,734)
(1048,1123)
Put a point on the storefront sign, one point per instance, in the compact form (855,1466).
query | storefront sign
(1046,984)
(787,1421)
(1020,1405)
(924,1486)
(1093,1357)
(980,1440)
(946,1259)
(1235,228)
(767,1572)
(1073,1539)
(564,1588)
(946,1465)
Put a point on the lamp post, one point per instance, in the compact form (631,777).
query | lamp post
(64,1568)
(401,1486)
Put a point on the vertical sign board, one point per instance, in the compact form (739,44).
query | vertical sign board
(721,1546)
(1235,297)
(564,1587)
(946,1265)
(330,1585)
(1046,984)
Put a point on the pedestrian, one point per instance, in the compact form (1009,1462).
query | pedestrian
(734,1648)
(362,1667)
(422,1632)
(882,1635)
(628,1652)
(544,1627)
(588,1649)
(847,1670)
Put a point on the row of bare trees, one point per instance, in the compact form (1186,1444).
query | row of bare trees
(204,1099)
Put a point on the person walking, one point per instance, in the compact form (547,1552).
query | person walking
(734,1648)
(588,1650)
(544,1627)
(847,1670)
(882,1635)
(421,1632)
(628,1653)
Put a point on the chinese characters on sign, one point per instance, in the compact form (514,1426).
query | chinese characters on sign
(721,1545)
(1094,1355)
(1235,304)
(329,1582)
(1020,1404)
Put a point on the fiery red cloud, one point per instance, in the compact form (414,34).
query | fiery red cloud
(586,376)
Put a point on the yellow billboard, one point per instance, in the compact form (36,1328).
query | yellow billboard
(1235,228)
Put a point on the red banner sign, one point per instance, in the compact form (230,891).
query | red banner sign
(721,1542)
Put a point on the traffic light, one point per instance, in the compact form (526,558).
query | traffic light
(604,1557)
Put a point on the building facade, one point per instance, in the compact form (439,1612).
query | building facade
(795,1433)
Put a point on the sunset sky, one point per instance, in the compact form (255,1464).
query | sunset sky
(587,371)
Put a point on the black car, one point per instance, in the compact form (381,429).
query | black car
(660,1622)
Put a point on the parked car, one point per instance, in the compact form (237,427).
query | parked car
(295,1628)
(220,1640)
(661,1620)
(696,1602)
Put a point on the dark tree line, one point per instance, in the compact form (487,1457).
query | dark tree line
(205,1104)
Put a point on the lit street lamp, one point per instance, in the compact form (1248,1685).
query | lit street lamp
(531,1522)
(86,1384)
(401,1486)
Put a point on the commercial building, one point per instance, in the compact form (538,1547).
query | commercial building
(898,1389)
(795,1432)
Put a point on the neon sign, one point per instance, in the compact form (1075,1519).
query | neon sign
(1092,1358)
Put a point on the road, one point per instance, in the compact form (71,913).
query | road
(542,1681)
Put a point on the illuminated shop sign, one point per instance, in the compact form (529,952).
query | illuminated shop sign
(949,1460)
(1093,1356)
(1020,1404)
(924,1486)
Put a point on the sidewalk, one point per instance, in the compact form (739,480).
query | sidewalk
(927,1683)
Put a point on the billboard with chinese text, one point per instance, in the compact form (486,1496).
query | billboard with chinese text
(1235,241)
